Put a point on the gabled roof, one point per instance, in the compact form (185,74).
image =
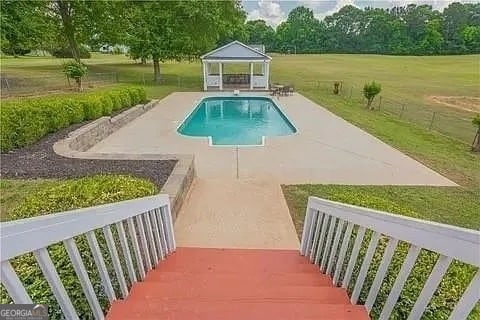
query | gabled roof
(235,51)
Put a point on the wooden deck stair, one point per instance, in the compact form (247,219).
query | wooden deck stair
(197,283)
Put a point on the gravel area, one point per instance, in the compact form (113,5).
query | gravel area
(40,161)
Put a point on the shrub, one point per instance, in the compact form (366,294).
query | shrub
(92,107)
(53,113)
(336,87)
(370,90)
(24,121)
(142,94)
(67,195)
(125,99)
(75,70)
(74,109)
(116,101)
(107,104)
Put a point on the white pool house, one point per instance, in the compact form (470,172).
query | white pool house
(217,62)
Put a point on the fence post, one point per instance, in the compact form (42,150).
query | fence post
(380,103)
(351,90)
(401,112)
(431,122)
(116,76)
(143,78)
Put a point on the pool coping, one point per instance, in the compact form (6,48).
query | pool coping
(196,104)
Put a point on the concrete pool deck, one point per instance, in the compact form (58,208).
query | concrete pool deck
(326,148)
(250,212)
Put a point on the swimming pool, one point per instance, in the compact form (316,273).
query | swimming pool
(236,120)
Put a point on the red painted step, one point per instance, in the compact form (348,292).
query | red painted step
(239,311)
(242,292)
(197,283)
(232,279)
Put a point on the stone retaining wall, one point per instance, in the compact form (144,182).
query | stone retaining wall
(76,144)
(92,133)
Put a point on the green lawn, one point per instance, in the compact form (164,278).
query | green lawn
(451,205)
(407,79)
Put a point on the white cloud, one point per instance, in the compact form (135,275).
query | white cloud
(267,10)
(339,4)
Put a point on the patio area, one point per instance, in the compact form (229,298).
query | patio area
(326,148)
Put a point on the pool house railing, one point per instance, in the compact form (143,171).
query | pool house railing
(332,238)
(143,226)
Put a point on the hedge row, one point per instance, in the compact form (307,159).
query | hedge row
(67,195)
(25,121)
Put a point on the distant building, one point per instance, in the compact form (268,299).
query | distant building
(118,48)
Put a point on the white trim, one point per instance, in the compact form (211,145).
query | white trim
(458,243)
(205,75)
(39,232)
(251,75)
(220,74)
(267,75)
(232,43)
(236,60)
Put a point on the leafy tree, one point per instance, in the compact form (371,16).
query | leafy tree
(370,90)
(178,30)
(75,70)
(300,33)
(476,140)
(433,40)
(260,33)
(471,38)
(24,26)
(456,18)
(83,22)
(344,28)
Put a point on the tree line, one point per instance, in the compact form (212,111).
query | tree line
(409,30)
(181,30)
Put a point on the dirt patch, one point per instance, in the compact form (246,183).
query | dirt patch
(471,104)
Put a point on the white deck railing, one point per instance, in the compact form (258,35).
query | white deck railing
(150,234)
(327,236)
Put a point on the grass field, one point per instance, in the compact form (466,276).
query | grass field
(410,80)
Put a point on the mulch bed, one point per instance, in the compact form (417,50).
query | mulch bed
(40,161)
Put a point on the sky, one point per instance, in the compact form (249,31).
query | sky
(276,11)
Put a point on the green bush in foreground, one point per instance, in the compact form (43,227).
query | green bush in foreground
(67,195)
(24,121)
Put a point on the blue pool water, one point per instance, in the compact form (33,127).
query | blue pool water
(236,120)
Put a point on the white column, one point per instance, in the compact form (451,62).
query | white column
(220,77)
(205,74)
(267,75)
(206,111)
(251,76)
